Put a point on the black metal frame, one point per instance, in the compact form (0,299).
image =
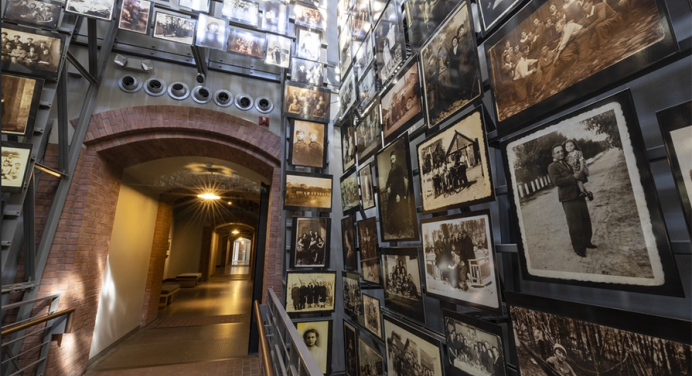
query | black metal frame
(352,174)
(33,108)
(327,243)
(325,141)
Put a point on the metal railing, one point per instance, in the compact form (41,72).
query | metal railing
(283,351)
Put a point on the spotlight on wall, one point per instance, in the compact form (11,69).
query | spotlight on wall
(120,60)
(208,196)
(201,94)
(130,84)
(223,98)
(178,91)
(155,87)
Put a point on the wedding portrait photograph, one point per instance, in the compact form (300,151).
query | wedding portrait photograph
(311,236)
(242,11)
(367,238)
(348,147)
(367,191)
(454,166)
(370,270)
(44,14)
(275,17)
(312,18)
(317,336)
(396,201)
(307,144)
(369,133)
(350,349)
(308,44)
(15,164)
(474,347)
(307,72)
(211,32)
(348,243)
(134,16)
(460,260)
(402,287)
(370,361)
(353,304)
(20,105)
(246,42)
(99,9)
(308,191)
(410,352)
(174,28)
(31,52)
(278,51)
(349,193)
(390,45)
(310,292)
(307,102)
(424,17)
(402,106)
(584,179)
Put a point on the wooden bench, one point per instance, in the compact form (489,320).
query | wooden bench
(188,279)
(167,292)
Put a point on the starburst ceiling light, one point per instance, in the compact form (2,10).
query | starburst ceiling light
(208,196)
(235,232)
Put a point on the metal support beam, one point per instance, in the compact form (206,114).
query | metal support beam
(29,230)
(83,71)
(200,56)
(63,122)
(92,36)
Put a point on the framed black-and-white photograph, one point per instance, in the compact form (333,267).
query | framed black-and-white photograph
(100,9)
(243,11)
(349,193)
(493,11)
(397,203)
(389,43)
(367,88)
(581,339)
(345,52)
(348,147)
(174,28)
(474,347)
(551,64)
(196,5)
(402,287)
(307,72)
(306,102)
(275,17)
(211,32)
(402,106)
(409,349)
(372,317)
(367,191)
(310,242)
(278,51)
(364,56)
(676,128)
(246,42)
(353,304)
(455,167)
(307,144)
(370,270)
(370,360)
(347,93)
(44,14)
(585,180)
(452,87)
(31,52)
(361,22)
(20,100)
(134,16)
(308,44)
(308,191)
(348,243)
(350,349)
(317,336)
(423,18)
(312,18)
(367,238)
(15,165)
(310,292)
(460,260)
(369,133)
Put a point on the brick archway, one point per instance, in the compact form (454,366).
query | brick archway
(121,138)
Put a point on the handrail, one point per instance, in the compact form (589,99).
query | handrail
(31,301)
(42,319)
(266,354)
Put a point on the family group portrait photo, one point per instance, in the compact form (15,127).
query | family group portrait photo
(472,350)
(311,242)
(370,360)
(353,303)
(246,42)
(310,292)
(402,287)
(15,161)
(33,12)
(102,9)
(350,199)
(242,11)
(307,72)
(313,18)
(36,53)
(307,144)
(174,28)
(307,102)
(408,354)
(402,106)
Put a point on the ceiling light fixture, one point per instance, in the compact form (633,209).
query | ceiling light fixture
(208,196)
(235,232)
(230,203)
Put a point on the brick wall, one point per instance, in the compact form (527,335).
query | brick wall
(157,263)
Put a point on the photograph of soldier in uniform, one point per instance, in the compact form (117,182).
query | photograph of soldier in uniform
(367,238)
(20,100)
(372,319)
(174,28)
(367,191)
(306,102)
(312,18)
(370,360)
(278,51)
(134,16)
(348,146)
(350,350)
(275,17)
(408,354)
(389,43)
(423,18)
(345,51)
(317,336)
(310,292)
(402,291)
(33,12)
(36,53)
(196,5)
(349,192)
(211,32)
(246,42)
(460,261)
(368,134)
(370,270)
(564,42)
(472,348)
(397,204)
(451,74)
(243,11)
(360,18)
(307,72)
(311,242)
(348,243)
(364,56)
(308,191)
(101,9)
(454,166)
(308,45)
(347,93)
(307,144)
(367,88)
(401,104)
(353,304)
(15,161)
(492,11)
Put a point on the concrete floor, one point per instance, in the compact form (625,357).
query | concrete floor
(205,329)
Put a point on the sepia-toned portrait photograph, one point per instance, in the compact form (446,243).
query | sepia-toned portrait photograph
(20,100)
(367,191)
(401,103)
(370,361)
(454,166)
(372,317)
(402,287)
(352,300)
(33,12)
(349,192)
(410,352)
(310,292)
(312,18)
(307,144)
(364,56)
(389,43)
(101,9)
(345,51)
(348,147)
(474,347)
(246,42)
(307,102)
(242,11)
(275,17)
(397,204)
(311,242)
(32,52)
(370,270)
(347,93)
(317,336)
(308,44)
(278,51)
(460,259)
(134,16)
(451,74)
(368,133)
(367,238)
(308,191)
(350,349)
(196,5)
(307,72)
(492,11)
(584,180)
(348,243)
(360,18)
(211,32)
(15,164)
(424,17)
(367,88)
(174,28)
